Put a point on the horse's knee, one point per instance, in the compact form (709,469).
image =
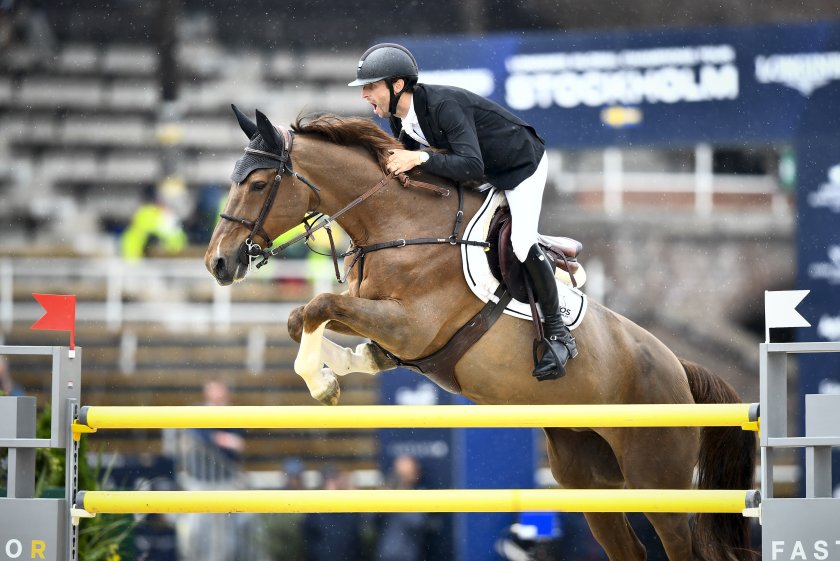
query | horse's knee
(295,324)
(317,312)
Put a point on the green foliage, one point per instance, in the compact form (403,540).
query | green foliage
(100,537)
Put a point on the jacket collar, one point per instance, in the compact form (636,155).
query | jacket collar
(421,108)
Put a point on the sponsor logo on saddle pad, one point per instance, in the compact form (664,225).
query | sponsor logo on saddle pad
(482,282)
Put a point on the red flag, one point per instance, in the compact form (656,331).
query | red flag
(60,314)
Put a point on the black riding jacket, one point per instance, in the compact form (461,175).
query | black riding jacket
(483,140)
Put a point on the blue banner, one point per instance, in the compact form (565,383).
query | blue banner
(818,251)
(655,87)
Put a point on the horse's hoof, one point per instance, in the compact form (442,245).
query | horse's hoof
(332,391)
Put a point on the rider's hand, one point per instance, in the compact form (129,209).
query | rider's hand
(400,161)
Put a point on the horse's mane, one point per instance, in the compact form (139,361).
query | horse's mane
(349,131)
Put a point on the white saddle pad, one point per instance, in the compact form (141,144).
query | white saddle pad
(482,282)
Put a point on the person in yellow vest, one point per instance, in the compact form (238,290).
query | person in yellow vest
(154,224)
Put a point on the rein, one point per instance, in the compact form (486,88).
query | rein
(252,250)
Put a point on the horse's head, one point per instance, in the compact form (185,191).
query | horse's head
(258,208)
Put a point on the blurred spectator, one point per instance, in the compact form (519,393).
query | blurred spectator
(153,225)
(200,223)
(333,536)
(25,22)
(8,386)
(293,468)
(402,535)
(229,442)
(212,462)
(283,531)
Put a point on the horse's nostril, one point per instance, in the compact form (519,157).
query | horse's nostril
(219,268)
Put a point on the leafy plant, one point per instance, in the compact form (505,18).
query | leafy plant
(100,537)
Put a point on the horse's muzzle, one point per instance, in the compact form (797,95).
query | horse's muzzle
(227,271)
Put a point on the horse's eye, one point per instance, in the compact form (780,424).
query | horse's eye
(258,186)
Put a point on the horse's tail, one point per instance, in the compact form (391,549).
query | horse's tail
(726,461)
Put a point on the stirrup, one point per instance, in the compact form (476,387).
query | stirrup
(560,369)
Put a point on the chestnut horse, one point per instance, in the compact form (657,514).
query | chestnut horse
(410,300)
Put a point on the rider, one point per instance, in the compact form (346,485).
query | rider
(482,141)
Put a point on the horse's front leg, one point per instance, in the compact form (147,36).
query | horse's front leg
(366,358)
(384,321)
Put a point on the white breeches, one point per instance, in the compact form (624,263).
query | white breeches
(525,203)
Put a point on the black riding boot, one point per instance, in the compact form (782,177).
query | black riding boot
(558,342)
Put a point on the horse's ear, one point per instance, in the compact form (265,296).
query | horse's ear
(268,133)
(247,125)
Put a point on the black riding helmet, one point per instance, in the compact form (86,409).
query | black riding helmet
(389,62)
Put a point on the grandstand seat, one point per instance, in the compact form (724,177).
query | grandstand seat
(281,66)
(18,58)
(25,130)
(132,95)
(341,100)
(79,167)
(101,131)
(201,60)
(133,168)
(51,93)
(129,60)
(6,92)
(211,133)
(210,169)
(78,59)
(325,66)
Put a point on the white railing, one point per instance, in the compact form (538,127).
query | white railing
(614,183)
(176,292)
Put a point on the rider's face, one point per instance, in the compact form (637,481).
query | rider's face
(379,97)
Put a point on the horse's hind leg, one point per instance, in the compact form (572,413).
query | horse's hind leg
(644,468)
(584,460)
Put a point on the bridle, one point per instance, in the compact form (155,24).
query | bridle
(251,250)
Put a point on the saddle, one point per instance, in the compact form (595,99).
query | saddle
(562,252)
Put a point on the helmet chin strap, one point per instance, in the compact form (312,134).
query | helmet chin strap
(395,98)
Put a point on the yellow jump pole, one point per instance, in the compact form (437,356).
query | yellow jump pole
(438,500)
(744,415)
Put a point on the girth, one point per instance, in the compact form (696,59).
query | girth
(439,367)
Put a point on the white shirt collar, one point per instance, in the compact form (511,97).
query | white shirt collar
(411,125)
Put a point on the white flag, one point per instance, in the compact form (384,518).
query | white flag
(780,308)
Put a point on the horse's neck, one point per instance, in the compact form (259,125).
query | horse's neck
(393,212)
